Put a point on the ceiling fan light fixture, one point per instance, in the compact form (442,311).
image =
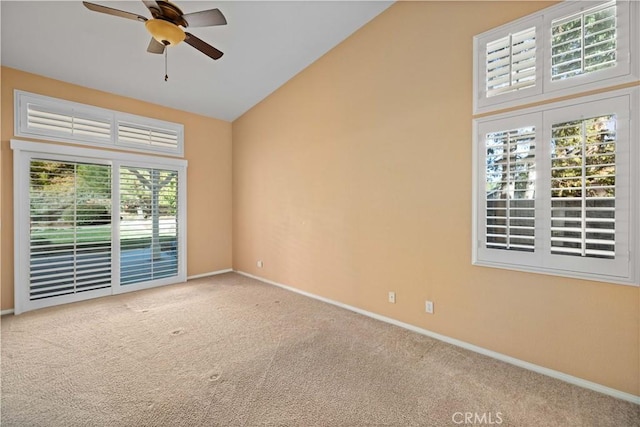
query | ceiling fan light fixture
(164,32)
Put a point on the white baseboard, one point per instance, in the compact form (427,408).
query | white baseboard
(7,311)
(499,356)
(212,273)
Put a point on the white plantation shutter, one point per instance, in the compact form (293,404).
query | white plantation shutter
(46,119)
(43,117)
(129,133)
(507,156)
(557,188)
(592,187)
(70,228)
(566,49)
(149,237)
(71,124)
(583,199)
(511,63)
(584,42)
(510,189)
(508,63)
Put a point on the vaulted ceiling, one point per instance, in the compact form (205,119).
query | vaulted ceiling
(265,44)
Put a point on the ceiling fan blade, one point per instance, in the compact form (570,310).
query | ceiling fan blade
(114,12)
(205,18)
(153,8)
(203,47)
(155,46)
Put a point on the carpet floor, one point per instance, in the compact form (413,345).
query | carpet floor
(231,351)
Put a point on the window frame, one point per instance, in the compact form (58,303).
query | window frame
(594,80)
(627,188)
(586,109)
(481,101)
(627,67)
(23,99)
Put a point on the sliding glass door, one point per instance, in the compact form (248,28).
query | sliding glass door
(70,228)
(89,226)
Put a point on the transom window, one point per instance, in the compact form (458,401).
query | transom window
(584,42)
(562,50)
(511,62)
(43,117)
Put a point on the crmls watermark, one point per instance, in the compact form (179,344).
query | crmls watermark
(477,418)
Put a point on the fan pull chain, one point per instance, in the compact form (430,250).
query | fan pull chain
(166,75)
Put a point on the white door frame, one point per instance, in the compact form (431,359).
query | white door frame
(23,152)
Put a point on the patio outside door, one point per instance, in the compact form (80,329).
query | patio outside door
(91,227)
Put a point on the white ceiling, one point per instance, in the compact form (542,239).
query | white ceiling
(265,44)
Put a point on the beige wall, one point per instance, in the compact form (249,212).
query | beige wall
(207,149)
(354,179)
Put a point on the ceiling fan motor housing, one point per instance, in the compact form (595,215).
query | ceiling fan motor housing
(170,12)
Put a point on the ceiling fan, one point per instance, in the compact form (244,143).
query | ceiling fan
(167,23)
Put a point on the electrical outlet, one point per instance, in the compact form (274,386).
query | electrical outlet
(428,307)
(392,297)
(260,264)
